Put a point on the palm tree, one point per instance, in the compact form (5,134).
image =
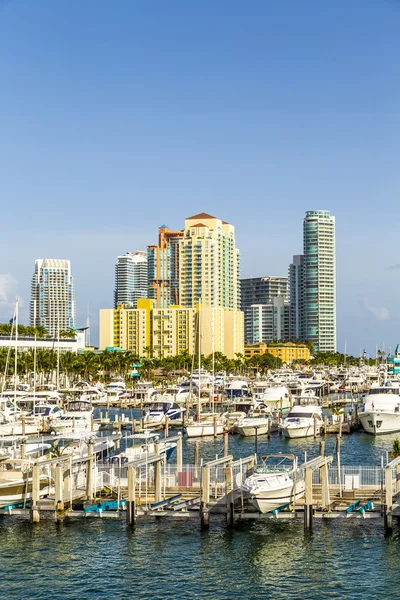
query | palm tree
(395,452)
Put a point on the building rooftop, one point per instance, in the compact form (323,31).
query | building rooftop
(202,215)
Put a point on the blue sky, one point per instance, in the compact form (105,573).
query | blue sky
(117,117)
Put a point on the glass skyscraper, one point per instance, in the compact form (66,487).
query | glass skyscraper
(319,280)
(52,295)
(130,278)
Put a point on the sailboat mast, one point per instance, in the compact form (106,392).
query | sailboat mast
(199,351)
(34,356)
(58,352)
(213,358)
(16,356)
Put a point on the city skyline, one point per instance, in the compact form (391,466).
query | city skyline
(280,113)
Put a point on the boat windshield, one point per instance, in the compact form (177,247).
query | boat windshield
(160,406)
(299,415)
(78,405)
(273,468)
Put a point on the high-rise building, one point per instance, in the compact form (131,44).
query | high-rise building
(163,268)
(260,291)
(130,278)
(209,263)
(266,323)
(320,280)
(52,295)
(161,332)
(296,298)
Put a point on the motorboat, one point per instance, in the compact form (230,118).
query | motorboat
(44,414)
(144,444)
(251,426)
(144,392)
(16,486)
(380,412)
(205,428)
(158,411)
(238,388)
(78,415)
(302,421)
(202,379)
(274,483)
(276,397)
(77,444)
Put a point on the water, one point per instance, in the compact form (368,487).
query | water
(356,449)
(94,559)
(91,559)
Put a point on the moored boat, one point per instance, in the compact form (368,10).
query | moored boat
(274,483)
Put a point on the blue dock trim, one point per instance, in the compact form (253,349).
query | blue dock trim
(368,506)
(353,507)
(104,506)
(280,509)
(17,505)
(166,501)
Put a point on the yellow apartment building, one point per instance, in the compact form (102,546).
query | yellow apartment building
(286,352)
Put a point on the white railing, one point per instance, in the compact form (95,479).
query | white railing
(361,477)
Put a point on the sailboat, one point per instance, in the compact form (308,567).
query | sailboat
(202,428)
(10,416)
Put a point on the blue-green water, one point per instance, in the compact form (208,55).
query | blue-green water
(102,559)
(91,559)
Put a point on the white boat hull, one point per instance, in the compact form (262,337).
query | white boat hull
(301,432)
(17,429)
(269,500)
(256,426)
(378,422)
(13,491)
(204,429)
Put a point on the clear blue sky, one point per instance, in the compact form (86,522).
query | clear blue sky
(117,117)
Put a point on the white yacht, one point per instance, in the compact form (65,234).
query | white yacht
(205,428)
(78,415)
(276,397)
(144,391)
(159,410)
(274,483)
(144,444)
(300,421)
(238,388)
(203,379)
(381,410)
(250,426)
(16,486)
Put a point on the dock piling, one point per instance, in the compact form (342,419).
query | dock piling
(179,453)
(230,509)
(35,515)
(89,473)
(131,509)
(59,497)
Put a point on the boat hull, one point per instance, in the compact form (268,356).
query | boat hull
(270,500)
(378,422)
(300,432)
(254,428)
(203,429)
(20,490)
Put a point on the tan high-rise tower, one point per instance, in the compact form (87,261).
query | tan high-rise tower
(163,268)
(209,263)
